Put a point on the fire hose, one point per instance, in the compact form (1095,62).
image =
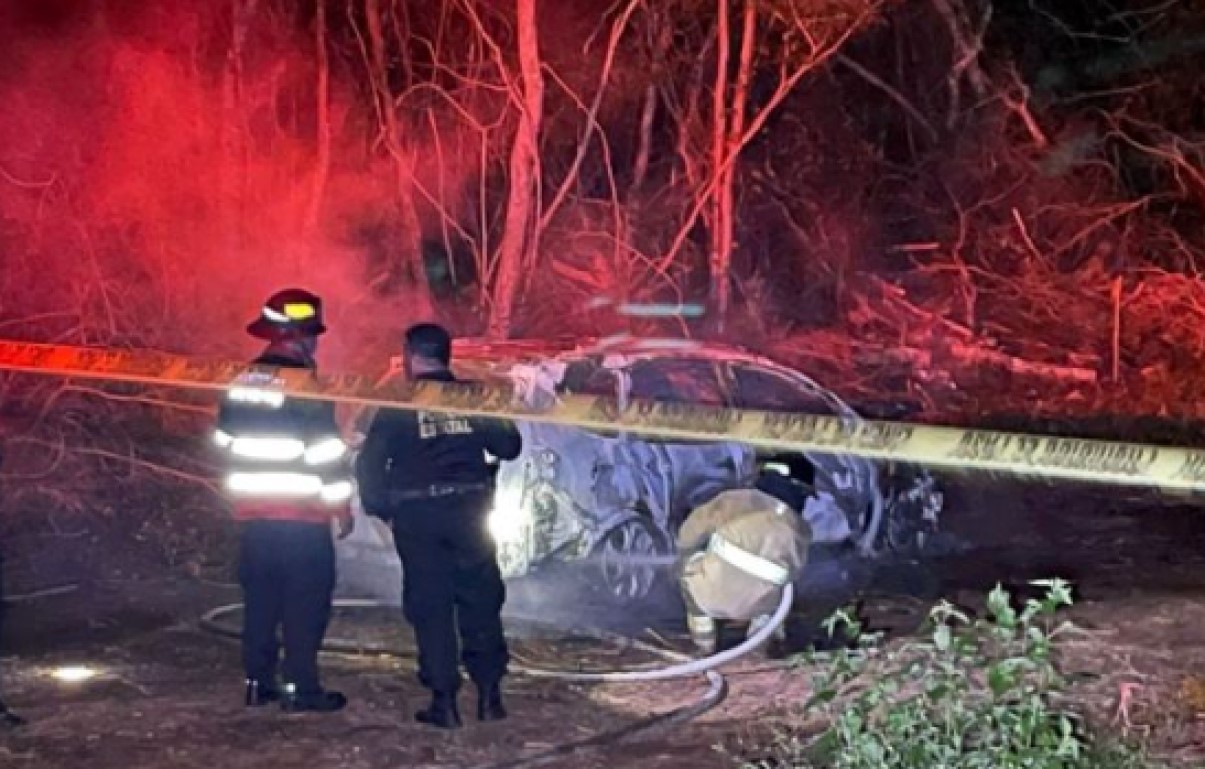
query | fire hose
(682,666)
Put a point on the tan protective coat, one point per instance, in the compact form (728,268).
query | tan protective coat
(755,522)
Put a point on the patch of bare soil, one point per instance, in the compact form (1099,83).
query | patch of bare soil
(169,694)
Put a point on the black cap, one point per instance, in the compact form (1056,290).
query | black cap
(430,341)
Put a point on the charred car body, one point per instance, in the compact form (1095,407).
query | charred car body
(616,500)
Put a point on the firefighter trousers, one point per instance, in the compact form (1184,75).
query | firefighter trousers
(452,589)
(287,571)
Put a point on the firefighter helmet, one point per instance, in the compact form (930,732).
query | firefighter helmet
(293,313)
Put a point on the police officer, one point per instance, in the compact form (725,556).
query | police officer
(289,478)
(737,553)
(427,475)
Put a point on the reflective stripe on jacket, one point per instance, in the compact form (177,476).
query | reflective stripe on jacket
(738,550)
(285,459)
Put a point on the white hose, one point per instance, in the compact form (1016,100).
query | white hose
(717,688)
(692,667)
(684,669)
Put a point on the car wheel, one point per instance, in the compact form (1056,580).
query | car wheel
(623,580)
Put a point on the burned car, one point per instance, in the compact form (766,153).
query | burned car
(615,500)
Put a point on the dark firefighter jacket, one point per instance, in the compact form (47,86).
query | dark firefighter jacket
(285,458)
(407,454)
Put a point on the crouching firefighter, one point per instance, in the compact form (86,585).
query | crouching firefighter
(289,479)
(428,477)
(737,553)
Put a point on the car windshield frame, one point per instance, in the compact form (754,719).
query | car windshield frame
(721,395)
(799,385)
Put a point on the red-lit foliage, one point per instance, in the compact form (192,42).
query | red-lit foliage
(160,163)
(151,197)
(162,169)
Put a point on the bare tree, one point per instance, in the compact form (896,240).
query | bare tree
(728,124)
(410,226)
(789,39)
(322,109)
(519,237)
(234,168)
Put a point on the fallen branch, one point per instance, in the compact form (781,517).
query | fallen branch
(928,339)
(976,356)
(895,299)
(970,355)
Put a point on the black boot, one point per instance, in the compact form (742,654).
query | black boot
(321,701)
(442,712)
(260,693)
(489,703)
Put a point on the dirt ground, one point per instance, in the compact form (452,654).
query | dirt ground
(168,693)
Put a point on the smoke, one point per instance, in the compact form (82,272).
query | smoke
(151,197)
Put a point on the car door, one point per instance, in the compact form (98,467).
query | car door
(614,483)
(846,486)
(685,474)
(553,487)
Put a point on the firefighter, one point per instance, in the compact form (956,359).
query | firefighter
(737,553)
(427,475)
(289,479)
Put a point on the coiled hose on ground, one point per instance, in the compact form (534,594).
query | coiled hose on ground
(682,667)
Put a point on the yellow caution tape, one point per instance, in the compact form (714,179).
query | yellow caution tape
(950,447)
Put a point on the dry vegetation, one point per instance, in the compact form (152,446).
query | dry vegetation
(915,194)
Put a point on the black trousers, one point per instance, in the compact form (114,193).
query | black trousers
(287,570)
(452,589)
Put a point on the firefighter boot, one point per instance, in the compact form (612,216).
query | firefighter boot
(489,703)
(321,701)
(704,633)
(442,712)
(260,693)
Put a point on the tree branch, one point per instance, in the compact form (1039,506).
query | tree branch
(583,146)
(891,93)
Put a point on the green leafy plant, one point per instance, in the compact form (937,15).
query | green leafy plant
(973,694)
